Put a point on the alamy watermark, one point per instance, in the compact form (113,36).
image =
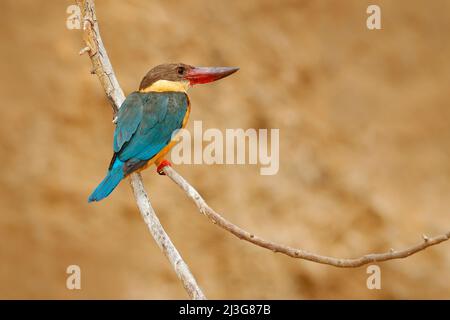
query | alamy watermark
(73,21)
(73,281)
(373,22)
(233,146)
(374,280)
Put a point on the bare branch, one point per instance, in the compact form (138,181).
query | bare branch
(290,251)
(103,69)
(163,240)
(99,58)
(83,51)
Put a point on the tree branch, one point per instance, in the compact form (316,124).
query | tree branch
(103,69)
(290,251)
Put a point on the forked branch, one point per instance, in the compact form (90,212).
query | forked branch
(103,69)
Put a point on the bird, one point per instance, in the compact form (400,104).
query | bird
(148,117)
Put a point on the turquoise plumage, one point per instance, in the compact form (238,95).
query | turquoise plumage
(148,118)
(145,123)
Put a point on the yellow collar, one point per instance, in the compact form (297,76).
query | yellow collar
(166,85)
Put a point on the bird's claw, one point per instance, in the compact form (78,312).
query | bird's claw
(162,165)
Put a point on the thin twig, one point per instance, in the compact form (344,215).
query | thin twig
(163,240)
(103,68)
(290,251)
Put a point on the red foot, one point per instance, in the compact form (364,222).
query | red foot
(162,165)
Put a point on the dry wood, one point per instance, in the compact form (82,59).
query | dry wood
(290,251)
(103,69)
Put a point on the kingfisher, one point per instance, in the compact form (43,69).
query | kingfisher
(148,118)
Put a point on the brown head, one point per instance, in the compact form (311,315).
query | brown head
(179,76)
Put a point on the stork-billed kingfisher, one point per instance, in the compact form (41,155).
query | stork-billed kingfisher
(148,117)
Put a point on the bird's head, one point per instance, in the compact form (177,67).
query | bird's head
(180,76)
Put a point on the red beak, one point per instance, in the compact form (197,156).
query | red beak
(200,75)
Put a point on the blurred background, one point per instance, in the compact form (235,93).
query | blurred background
(364,148)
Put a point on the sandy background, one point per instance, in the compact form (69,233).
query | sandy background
(365,148)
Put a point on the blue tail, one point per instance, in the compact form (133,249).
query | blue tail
(112,179)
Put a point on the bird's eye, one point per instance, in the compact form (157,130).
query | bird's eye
(180,70)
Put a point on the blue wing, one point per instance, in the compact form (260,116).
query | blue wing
(128,119)
(145,123)
(147,127)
